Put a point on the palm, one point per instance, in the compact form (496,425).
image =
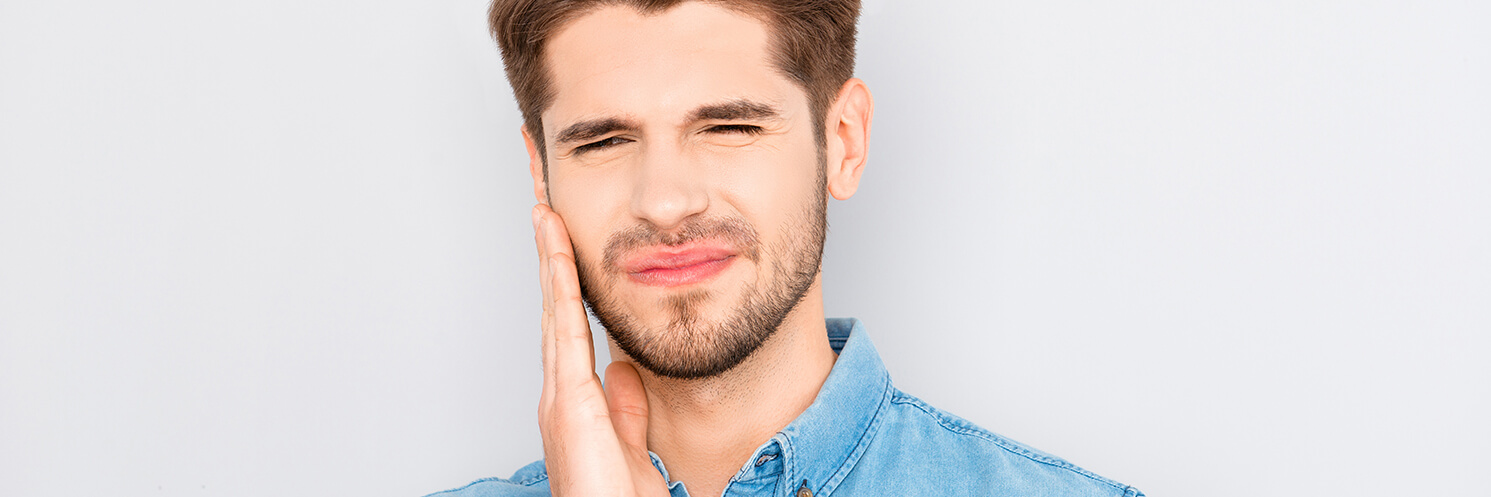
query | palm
(595,439)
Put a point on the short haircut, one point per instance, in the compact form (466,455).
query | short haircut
(812,43)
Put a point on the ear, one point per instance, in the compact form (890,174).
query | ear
(535,168)
(848,134)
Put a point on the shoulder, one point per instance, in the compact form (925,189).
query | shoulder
(917,437)
(529,481)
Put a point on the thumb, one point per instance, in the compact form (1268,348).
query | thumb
(627,401)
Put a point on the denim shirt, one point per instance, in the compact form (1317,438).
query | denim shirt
(862,436)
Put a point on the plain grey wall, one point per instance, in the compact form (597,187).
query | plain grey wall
(1214,248)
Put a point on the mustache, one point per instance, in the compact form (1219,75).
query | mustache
(735,232)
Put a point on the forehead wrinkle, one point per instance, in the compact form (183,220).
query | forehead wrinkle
(587,50)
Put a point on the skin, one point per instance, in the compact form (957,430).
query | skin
(664,167)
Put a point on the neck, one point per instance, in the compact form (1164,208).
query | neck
(705,429)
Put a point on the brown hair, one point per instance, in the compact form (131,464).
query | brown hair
(813,45)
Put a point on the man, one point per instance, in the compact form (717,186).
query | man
(682,153)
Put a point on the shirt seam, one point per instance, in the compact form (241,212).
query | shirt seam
(978,432)
(535,480)
(526,482)
(886,394)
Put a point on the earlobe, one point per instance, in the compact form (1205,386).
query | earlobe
(535,167)
(849,130)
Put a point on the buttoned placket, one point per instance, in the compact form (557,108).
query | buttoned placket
(803,490)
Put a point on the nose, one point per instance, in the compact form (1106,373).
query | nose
(669,188)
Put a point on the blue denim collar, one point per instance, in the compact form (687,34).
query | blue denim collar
(820,447)
(833,445)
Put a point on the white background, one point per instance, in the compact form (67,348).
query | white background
(1214,248)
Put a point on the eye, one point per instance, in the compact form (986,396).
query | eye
(601,145)
(744,129)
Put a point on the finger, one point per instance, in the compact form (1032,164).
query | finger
(538,215)
(546,321)
(556,242)
(574,362)
(541,240)
(553,238)
(555,233)
(627,401)
(546,340)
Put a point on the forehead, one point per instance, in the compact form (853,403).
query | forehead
(617,61)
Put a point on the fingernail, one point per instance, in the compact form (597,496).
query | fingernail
(537,215)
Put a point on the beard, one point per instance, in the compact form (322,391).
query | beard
(693,345)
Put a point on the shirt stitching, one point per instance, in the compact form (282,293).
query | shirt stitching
(863,444)
(535,480)
(963,427)
(527,482)
(789,463)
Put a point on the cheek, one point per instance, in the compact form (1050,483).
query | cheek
(770,187)
(588,205)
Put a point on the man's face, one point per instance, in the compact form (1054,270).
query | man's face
(685,167)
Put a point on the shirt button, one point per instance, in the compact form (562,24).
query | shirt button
(803,490)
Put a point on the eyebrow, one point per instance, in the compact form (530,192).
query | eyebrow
(728,111)
(589,129)
(732,110)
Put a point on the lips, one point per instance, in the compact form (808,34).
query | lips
(677,266)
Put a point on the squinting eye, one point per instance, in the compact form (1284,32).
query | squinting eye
(736,128)
(603,144)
